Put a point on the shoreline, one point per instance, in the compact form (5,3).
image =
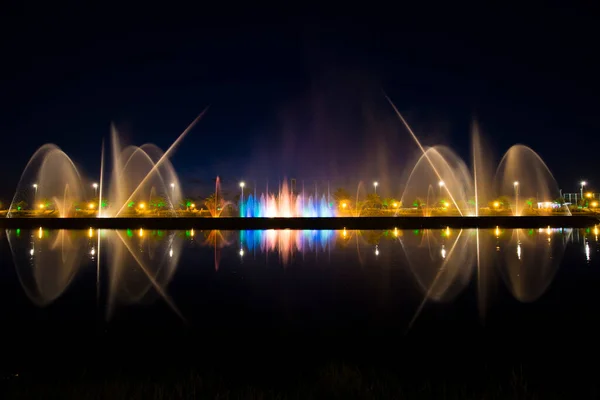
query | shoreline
(300,223)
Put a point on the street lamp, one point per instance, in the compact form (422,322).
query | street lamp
(516,186)
(35,188)
(441,185)
(583,183)
(375,184)
(95,186)
(172,192)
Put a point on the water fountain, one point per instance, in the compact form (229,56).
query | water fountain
(522,177)
(525,178)
(50,183)
(143,182)
(287,204)
(440,180)
(216,204)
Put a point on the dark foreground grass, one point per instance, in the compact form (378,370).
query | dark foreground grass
(333,381)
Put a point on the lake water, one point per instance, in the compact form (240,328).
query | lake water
(363,294)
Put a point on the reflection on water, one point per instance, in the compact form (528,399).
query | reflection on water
(137,266)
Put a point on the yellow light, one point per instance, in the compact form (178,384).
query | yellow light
(344,233)
(40,233)
(594,204)
(193,205)
(496,204)
(588,195)
(91,205)
(596,231)
(446,204)
(142,205)
(192,232)
(447,231)
(91,233)
(141,233)
(42,206)
(549,231)
(396,232)
(344,205)
(395,205)
(497,232)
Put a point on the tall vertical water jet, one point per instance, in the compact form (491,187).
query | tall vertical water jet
(483,170)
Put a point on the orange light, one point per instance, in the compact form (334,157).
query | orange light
(91,206)
(42,206)
(142,205)
(496,204)
(141,233)
(344,205)
(594,204)
(395,205)
(90,232)
(588,195)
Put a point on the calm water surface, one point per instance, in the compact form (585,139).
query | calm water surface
(338,290)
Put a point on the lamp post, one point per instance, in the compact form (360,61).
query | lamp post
(35,188)
(375,184)
(95,186)
(516,186)
(583,183)
(172,192)
(441,185)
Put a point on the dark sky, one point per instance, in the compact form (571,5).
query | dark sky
(300,96)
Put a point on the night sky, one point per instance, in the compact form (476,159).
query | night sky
(300,97)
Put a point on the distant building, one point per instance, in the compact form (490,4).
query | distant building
(574,198)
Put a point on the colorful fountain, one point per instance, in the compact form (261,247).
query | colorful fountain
(286,204)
